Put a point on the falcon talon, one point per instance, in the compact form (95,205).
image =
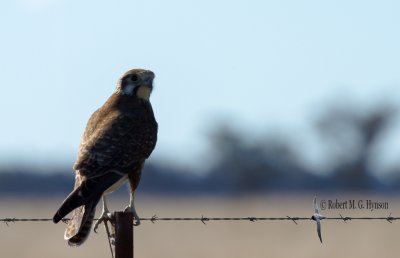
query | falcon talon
(101,220)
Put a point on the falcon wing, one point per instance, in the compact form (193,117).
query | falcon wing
(105,143)
(111,147)
(109,142)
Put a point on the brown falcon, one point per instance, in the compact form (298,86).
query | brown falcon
(118,138)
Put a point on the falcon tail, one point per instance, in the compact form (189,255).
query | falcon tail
(80,224)
(85,192)
(73,201)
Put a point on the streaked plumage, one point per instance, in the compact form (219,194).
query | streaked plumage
(118,138)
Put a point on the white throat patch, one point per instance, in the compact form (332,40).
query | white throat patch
(143,92)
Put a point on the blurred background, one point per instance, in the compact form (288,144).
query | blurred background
(253,99)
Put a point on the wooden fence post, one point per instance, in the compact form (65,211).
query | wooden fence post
(123,234)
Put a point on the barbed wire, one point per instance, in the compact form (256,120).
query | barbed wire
(317,217)
(204,219)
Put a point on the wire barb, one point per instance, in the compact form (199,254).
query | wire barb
(204,219)
(390,218)
(154,219)
(293,219)
(252,219)
(345,218)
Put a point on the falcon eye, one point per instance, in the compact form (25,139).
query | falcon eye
(134,78)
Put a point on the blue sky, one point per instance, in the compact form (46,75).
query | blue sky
(214,60)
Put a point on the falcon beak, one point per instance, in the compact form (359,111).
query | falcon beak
(147,78)
(146,86)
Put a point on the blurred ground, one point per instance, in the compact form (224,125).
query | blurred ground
(216,239)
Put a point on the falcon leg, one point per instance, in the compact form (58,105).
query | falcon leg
(105,214)
(131,208)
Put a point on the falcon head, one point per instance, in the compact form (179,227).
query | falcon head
(136,82)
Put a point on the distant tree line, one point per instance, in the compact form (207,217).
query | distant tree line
(243,167)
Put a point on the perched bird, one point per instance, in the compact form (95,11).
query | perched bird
(118,138)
